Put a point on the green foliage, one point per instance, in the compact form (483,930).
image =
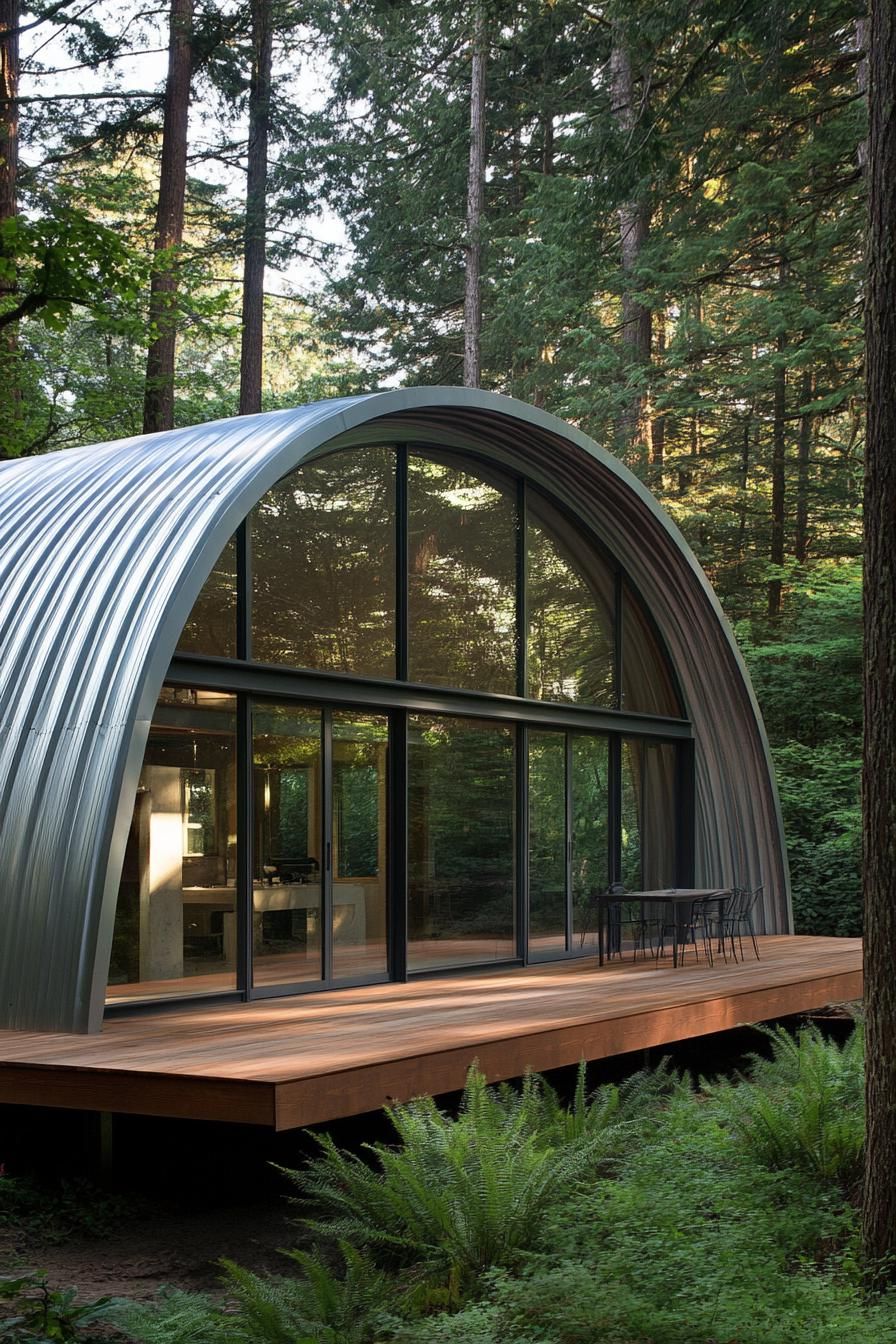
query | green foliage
(690,1240)
(458,1196)
(53,1213)
(317,1306)
(31,1310)
(697,1216)
(807,676)
(177,1317)
(803,1109)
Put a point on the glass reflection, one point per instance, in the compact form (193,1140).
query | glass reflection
(287,902)
(211,625)
(590,834)
(360,745)
(571,601)
(647,685)
(649,847)
(547,843)
(323,566)
(175,921)
(460,842)
(462,546)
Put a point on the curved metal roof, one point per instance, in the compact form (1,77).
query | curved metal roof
(103,551)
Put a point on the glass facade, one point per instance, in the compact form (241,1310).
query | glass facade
(462,565)
(175,929)
(323,566)
(571,607)
(360,852)
(287,891)
(211,625)
(547,843)
(461,861)
(286,837)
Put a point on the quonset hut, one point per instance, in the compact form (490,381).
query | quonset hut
(351,693)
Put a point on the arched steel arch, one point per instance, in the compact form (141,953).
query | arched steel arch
(103,551)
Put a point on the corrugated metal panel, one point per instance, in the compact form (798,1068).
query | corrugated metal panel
(104,550)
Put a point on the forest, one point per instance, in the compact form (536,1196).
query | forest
(645,218)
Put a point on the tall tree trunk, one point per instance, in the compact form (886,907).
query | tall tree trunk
(742,483)
(10,388)
(475,204)
(779,457)
(861,40)
(879,777)
(158,399)
(804,458)
(658,427)
(634,228)
(255,249)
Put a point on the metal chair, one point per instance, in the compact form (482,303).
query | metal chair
(697,924)
(738,918)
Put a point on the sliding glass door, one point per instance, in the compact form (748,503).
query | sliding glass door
(319,880)
(569,839)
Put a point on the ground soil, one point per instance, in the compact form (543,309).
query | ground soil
(161,1242)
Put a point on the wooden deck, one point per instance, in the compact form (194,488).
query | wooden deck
(313,1058)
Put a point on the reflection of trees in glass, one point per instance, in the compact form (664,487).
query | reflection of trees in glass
(631,817)
(356,796)
(462,538)
(323,566)
(359,762)
(211,625)
(198,788)
(289,812)
(590,833)
(570,637)
(547,834)
(286,754)
(460,830)
(647,685)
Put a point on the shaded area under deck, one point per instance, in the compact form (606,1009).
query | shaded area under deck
(314,1058)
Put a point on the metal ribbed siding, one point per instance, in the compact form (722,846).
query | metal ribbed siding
(104,550)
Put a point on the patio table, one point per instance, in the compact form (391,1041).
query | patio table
(680,898)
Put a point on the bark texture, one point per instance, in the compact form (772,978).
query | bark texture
(634,230)
(879,768)
(779,458)
(475,205)
(158,400)
(10,390)
(803,464)
(255,247)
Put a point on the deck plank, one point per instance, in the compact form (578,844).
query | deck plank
(316,1057)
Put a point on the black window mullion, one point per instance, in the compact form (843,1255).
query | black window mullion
(522,592)
(244,590)
(401,563)
(614,804)
(522,842)
(568,798)
(327,857)
(245,857)
(618,619)
(397,843)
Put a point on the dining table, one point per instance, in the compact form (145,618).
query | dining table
(680,899)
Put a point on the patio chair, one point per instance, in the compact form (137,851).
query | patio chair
(738,919)
(613,917)
(701,924)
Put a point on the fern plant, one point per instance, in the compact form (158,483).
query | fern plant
(316,1307)
(804,1107)
(456,1196)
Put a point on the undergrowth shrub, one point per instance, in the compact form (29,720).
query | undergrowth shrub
(317,1306)
(804,1107)
(458,1196)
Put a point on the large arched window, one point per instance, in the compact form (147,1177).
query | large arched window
(418,719)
